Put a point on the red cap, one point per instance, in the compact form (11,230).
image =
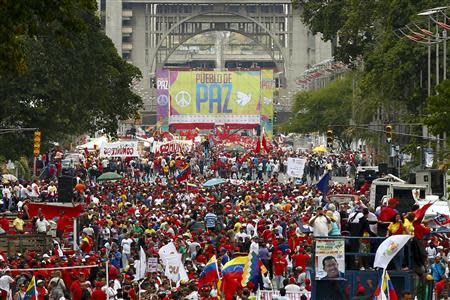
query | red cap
(393,201)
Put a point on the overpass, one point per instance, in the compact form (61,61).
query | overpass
(150,33)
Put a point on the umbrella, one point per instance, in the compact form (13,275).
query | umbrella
(320,149)
(109,176)
(8,177)
(213,182)
(236,148)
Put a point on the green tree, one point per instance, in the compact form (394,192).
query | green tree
(21,19)
(70,88)
(438,108)
(328,107)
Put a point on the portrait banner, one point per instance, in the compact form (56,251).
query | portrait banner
(330,259)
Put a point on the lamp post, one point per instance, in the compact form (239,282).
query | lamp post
(429,38)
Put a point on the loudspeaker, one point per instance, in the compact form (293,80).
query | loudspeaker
(65,188)
(383,168)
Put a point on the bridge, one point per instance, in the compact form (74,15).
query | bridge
(150,33)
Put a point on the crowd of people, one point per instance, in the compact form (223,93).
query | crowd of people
(257,204)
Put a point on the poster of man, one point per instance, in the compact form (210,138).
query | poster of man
(330,259)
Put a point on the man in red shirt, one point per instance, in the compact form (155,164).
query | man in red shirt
(300,259)
(279,269)
(75,289)
(97,292)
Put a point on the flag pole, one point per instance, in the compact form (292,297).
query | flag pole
(35,287)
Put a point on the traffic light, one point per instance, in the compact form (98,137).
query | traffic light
(388,133)
(330,138)
(37,143)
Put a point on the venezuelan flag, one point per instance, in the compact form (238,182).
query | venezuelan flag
(385,289)
(185,173)
(210,273)
(31,293)
(192,188)
(231,277)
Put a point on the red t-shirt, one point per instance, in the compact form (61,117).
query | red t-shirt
(98,294)
(75,290)
(300,260)
(279,266)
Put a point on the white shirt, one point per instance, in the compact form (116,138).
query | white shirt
(292,288)
(5,282)
(6,193)
(34,190)
(320,226)
(41,226)
(126,245)
(431,252)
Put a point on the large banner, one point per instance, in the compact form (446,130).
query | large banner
(172,147)
(330,259)
(267,89)
(162,99)
(295,167)
(215,97)
(119,149)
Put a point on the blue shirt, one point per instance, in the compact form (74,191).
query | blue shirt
(437,271)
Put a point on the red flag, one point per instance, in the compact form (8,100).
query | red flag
(267,147)
(257,149)
(420,213)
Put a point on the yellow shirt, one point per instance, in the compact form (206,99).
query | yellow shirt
(409,227)
(393,228)
(18,224)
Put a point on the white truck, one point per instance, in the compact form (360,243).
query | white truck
(394,187)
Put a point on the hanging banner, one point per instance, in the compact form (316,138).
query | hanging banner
(267,89)
(225,97)
(176,146)
(330,259)
(119,149)
(162,99)
(295,167)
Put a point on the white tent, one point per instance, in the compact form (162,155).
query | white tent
(90,145)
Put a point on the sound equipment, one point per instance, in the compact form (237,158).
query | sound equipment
(65,188)
(383,168)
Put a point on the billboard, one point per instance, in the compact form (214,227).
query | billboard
(215,97)
(267,89)
(206,99)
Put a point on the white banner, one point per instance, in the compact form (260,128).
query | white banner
(389,248)
(174,268)
(177,146)
(330,259)
(295,167)
(119,149)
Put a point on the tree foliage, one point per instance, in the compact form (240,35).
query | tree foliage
(392,71)
(328,107)
(22,19)
(68,88)
(438,108)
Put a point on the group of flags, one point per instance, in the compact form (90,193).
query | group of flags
(236,273)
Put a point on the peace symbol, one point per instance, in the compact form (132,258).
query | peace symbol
(183,98)
(162,100)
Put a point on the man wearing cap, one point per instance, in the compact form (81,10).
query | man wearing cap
(42,292)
